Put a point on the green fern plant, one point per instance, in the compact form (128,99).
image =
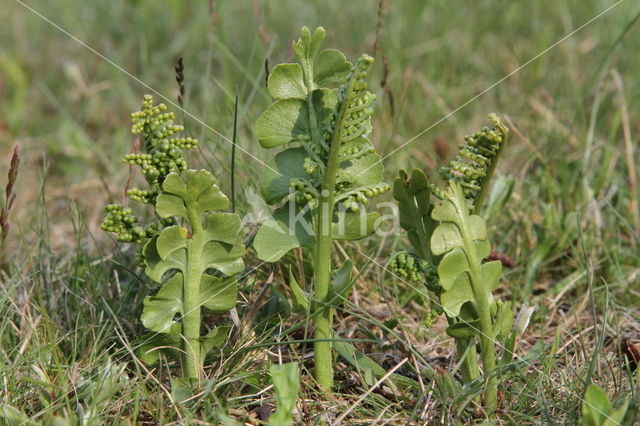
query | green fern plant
(192,249)
(325,177)
(449,242)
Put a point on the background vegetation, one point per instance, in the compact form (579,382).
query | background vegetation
(69,295)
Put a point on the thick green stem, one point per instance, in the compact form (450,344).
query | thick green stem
(322,266)
(324,328)
(481,296)
(488,350)
(192,359)
(322,270)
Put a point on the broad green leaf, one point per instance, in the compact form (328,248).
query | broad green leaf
(300,298)
(459,293)
(595,407)
(450,266)
(445,212)
(152,345)
(171,239)
(159,311)
(419,188)
(223,257)
(445,238)
(277,236)
(287,120)
(210,198)
(617,416)
(156,267)
(354,226)
(199,189)
(282,122)
(491,273)
(218,294)
(168,205)
(173,184)
(483,248)
(331,138)
(223,247)
(598,411)
(331,67)
(462,238)
(200,186)
(212,242)
(223,227)
(463,330)
(341,278)
(476,227)
(286,81)
(285,166)
(286,382)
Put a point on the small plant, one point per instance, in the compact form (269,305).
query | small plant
(598,411)
(286,382)
(325,177)
(450,241)
(192,249)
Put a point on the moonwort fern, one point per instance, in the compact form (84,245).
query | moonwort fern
(449,244)
(476,161)
(325,177)
(192,249)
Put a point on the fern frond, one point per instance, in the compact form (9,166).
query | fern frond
(313,117)
(474,165)
(163,149)
(162,154)
(354,116)
(350,128)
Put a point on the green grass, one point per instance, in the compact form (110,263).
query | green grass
(70,297)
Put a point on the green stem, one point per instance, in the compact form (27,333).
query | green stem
(322,261)
(323,329)
(481,296)
(192,359)
(322,269)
